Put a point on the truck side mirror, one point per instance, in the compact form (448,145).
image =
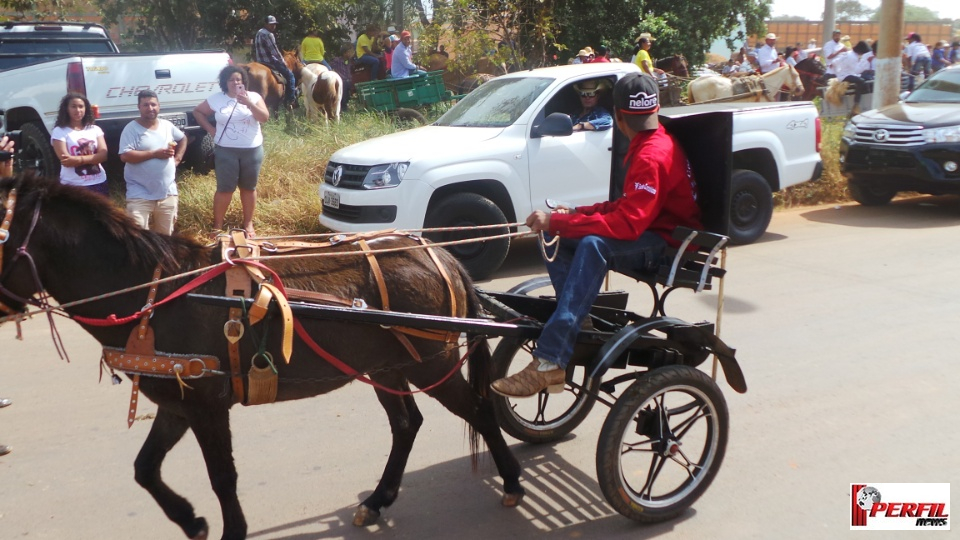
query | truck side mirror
(555,125)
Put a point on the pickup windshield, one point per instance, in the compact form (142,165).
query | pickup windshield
(497,103)
(941,87)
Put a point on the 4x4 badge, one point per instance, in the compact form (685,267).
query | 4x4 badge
(880,135)
(337,175)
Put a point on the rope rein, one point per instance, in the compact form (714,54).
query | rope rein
(216,269)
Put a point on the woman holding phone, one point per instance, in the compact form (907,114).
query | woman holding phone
(238,150)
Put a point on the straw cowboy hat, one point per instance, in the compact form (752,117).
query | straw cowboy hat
(646,36)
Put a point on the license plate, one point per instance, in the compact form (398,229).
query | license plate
(331,199)
(177,119)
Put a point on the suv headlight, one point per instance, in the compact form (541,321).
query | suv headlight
(942,134)
(385,176)
(849,131)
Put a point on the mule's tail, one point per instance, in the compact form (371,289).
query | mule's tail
(479,365)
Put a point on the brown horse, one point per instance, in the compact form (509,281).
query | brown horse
(811,74)
(262,79)
(674,65)
(73,244)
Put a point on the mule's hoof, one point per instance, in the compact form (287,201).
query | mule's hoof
(365,516)
(203,530)
(511,500)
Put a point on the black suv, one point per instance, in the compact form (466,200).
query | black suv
(913,145)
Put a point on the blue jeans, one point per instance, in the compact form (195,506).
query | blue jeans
(577,274)
(291,87)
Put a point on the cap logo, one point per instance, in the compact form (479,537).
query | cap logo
(642,101)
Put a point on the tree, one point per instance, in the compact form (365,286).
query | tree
(852,10)
(687,28)
(43,9)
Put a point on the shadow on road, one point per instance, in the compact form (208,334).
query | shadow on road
(922,212)
(447,501)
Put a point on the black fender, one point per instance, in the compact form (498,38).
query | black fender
(698,337)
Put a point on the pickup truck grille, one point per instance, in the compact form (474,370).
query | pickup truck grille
(890,135)
(351,178)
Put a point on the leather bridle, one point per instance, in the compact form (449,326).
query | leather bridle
(41,300)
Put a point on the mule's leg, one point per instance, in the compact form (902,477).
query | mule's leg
(405,421)
(166,431)
(211,425)
(462,400)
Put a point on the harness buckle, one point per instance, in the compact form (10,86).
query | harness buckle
(359,303)
(337,238)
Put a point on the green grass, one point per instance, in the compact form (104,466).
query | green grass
(297,152)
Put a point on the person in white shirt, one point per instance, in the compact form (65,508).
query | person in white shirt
(80,145)
(848,67)
(238,143)
(768,57)
(831,50)
(919,55)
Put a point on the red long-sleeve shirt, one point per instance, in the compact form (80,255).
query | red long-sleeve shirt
(659,194)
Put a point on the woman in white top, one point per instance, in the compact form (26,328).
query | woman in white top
(238,150)
(79,144)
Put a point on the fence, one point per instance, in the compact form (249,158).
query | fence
(790,33)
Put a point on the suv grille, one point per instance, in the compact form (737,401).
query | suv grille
(351,178)
(890,135)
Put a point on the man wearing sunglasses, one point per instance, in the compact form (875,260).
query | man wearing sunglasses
(659,194)
(592,116)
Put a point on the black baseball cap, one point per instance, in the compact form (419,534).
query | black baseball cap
(637,93)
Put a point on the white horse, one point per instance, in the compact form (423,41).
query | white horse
(322,91)
(707,88)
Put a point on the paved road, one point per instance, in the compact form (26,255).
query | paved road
(845,319)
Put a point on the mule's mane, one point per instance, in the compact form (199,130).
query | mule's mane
(142,247)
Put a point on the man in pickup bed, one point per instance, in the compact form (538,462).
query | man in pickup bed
(268,54)
(659,194)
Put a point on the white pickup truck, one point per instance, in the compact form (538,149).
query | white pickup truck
(506,147)
(41,61)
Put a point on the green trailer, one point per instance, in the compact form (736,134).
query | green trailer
(402,96)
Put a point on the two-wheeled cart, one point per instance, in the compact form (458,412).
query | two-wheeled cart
(403,97)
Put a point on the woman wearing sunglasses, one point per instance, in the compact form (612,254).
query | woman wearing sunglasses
(592,116)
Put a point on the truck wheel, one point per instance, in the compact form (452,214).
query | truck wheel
(870,195)
(200,154)
(751,206)
(410,115)
(36,153)
(662,443)
(466,211)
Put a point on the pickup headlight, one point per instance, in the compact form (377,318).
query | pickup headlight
(385,176)
(849,131)
(942,134)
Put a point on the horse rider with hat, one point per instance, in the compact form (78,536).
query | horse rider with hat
(268,53)
(644,42)
(768,57)
(631,232)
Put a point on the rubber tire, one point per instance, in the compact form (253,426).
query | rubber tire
(869,196)
(532,430)
(410,115)
(199,154)
(620,423)
(469,210)
(751,206)
(36,147)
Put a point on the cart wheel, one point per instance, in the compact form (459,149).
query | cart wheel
(662,443)
(410,115)
(545,417)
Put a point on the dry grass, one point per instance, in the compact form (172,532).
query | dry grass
(297,153)
(832,187)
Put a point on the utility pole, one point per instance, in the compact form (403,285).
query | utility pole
(886,88)
(829,21)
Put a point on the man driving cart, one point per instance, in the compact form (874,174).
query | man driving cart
(632,232)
